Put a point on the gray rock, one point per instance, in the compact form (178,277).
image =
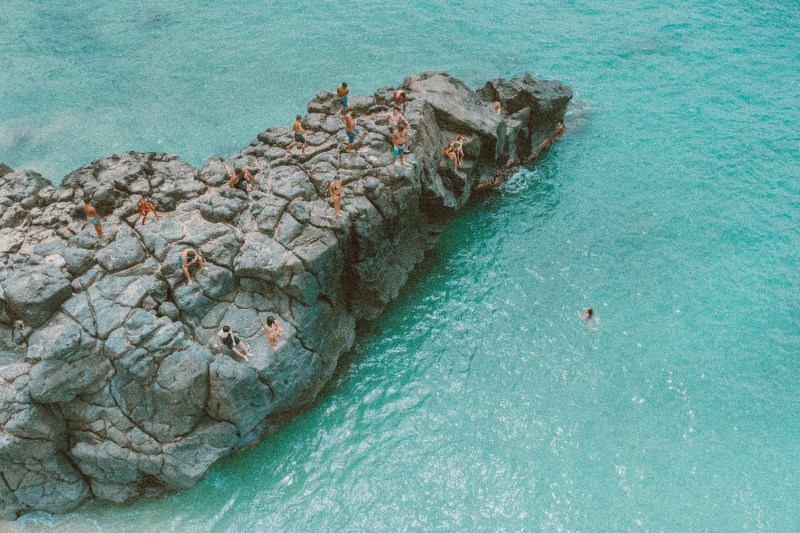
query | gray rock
(34,293)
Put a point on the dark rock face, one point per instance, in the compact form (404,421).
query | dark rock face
(109,383)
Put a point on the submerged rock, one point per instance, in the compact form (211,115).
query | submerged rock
(110,384)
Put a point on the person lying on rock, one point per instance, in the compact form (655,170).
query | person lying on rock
(239,180)
(350,129)
(342,92)
(187,257)
(455,151)
(400,97)
(399,139)
(232,342)
(337,193)
(394,118)
(144,208)
(273,330)
(94,218)
(298,130)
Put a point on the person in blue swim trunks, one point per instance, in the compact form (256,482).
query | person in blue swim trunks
(298,130)
(350,129)
(343,92)
(94,218)
(399,139)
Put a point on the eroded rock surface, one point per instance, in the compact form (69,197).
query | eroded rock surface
(109,385)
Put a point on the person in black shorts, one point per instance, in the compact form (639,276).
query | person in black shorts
(226,336)
(239,179)
(298,130)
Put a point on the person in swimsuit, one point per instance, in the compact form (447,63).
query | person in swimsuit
(343,92)
(226,336)
(590,318)
(393,118)
(239,181)
(337,193)
(497,109)
(94,218)
(298,135)
(273,331)
(144,208)
(188,257)
(400,97)
(399,139)
(350,129)
(455,151)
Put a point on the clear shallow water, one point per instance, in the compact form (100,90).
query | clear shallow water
(479,400)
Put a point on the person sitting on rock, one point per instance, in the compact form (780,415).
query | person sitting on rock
(239,181)
(337,193)
(298,135)
(350,129)
(455,151)
(94,218)
(342,92)
(400,97)
(497,109)
(144,208)
(399,139)
(394,118)
(232,342)
(273,331)
(188,257)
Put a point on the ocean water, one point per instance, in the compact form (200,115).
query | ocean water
(479,400)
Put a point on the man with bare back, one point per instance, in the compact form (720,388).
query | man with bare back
(239,181)
(144,208)
(399,139)
(343,92)
(350,129)
(187,257)
(94,218)
(400,97)
(337,193)
(298,130)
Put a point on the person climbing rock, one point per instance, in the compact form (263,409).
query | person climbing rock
(350,129)
(298,130)
(455,151)
(337,193)
(239,180)
(399,139)
(590,318)
(226,336)
(187,257)
(94,218)
(273,331)
(394,118)
(145,208)
(497,109)
(343,92)
(400,97)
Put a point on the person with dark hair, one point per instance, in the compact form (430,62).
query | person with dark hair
(94,218)
(400,97)
(145,208)
(350,129)
(455,151)
(298,135)
(239,180)
(273,331)
(187,257)
(399,139)
(226,336)
(343,92)
(394,117)
(590,318)
(337,193)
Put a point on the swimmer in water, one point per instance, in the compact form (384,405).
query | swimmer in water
(590,318)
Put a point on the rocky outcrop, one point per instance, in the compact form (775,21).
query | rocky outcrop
(110,387)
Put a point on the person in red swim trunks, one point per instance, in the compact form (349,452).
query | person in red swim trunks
(145,208)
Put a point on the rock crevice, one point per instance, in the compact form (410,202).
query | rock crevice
(110,387)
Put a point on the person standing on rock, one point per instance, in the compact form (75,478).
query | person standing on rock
(94,218)
(337,193)
(226,336)
(145,208)
(455,151)
(298,130)
(350,130)
(188,257)
(239,181)
(342,92)
(399,139)
(273,331)
(400,97)
(394,118)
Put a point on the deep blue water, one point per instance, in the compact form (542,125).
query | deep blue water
(479,401)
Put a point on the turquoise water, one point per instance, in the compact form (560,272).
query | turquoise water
(479,401)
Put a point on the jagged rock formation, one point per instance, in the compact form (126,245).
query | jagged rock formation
(109,386)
